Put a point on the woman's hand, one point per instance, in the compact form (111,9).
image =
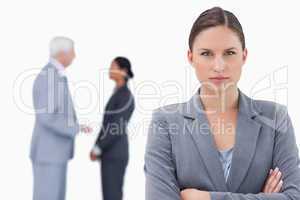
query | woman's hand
(93,157)
(194,194)
(274,182)
(273,185)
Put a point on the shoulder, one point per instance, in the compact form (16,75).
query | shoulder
(270,109)
(124,94)
(41,78)
(170,112)
(273,114)
(123,90)
(48,71)
(47,77)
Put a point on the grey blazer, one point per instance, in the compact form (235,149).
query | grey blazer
(56,122)
(181,152)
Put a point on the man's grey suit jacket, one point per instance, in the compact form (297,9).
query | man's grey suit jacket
(56,122)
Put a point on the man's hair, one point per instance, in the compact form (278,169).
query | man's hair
(59,44)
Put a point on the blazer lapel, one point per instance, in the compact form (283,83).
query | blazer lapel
(64,94)
(200,132)
(247,133)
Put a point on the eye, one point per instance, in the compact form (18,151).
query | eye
(205,53)
(230,53)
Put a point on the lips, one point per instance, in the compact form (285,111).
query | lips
(219,78)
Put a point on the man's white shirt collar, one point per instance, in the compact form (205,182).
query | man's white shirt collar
(60,68)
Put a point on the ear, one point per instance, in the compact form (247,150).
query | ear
(245,54)
(60,56)
(123,72)
(190,57)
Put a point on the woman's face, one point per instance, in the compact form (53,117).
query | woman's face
(217,57)
(115,73)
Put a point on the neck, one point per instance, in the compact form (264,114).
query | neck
(120,83)
(59,61)
(221,100)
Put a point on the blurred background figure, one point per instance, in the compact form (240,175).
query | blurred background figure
(56,124)
(112,143)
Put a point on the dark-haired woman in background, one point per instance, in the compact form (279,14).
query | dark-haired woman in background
(221,144)
(112,143)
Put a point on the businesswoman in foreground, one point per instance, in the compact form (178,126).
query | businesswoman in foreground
(112,143)
(221,144)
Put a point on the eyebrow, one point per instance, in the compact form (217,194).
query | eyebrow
(231,48)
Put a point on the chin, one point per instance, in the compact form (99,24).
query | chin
(67,65)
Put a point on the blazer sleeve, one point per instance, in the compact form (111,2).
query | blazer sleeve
(161,181)
(49,113)
(285,157)
(114,123)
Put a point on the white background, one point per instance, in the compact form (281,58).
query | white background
(154,36)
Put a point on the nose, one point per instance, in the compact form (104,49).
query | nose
(219,64)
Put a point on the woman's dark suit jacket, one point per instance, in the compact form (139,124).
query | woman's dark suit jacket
(112,139)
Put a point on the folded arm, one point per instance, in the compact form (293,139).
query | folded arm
(285,157)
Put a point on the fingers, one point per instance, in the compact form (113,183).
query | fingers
(274,182)
(278,187)
(267,183)
(86,129)
(275,179)
(93,157)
